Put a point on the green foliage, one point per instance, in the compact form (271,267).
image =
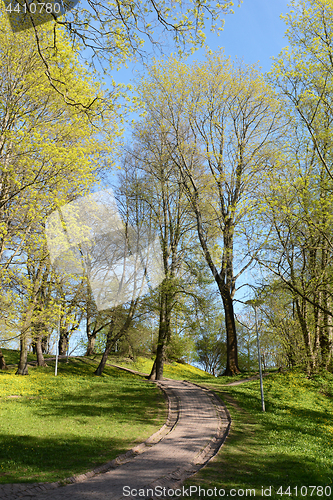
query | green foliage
(212,352)
(51,153)
(297,197)
(180,347)
(117,30)
(218,124)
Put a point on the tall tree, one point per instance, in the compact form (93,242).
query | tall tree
(122,264)
(301,205)
(49,152)
(220,123)
(299,252)
(156,185)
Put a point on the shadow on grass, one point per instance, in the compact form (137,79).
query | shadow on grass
(49,459)
(289,445)
(299,419)
(132,405)
(12,356)
(82,421)
(245,463)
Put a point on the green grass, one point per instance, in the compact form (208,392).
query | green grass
(54,427)
(291,444)
(172,370)
(140,364)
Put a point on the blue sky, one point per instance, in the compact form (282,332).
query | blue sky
(254,33)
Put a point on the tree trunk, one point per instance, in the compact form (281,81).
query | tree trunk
(325,332)
(325,345)
(63,342)
(110,341)
(301,310)
(232,351)
(3,365)
(39,329)
(39,350)
(34,347)
(91,345)
(222,280)
(152,375)
(326,337)
(45,344)
(22,368)
(317,328)
(326,341)
(91,336)
(156,372)
(160,358)
(163,333)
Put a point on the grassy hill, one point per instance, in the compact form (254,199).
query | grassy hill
(141,364)
(54,427)
(174,370)
(12,356)
(288,447)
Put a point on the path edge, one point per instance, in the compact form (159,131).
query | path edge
(13,491)
(176,479)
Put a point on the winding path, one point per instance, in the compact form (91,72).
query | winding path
(197,426)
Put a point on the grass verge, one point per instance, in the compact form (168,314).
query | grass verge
(280,451)
(54,427)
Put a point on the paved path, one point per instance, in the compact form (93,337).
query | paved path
(197,425)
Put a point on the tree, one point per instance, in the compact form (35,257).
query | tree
(118,326)
(284,337)
(49,154)
(40,316)
(295,255)
(220,124)
(116,31)
(299,252)
(3,365)
(153,183)
(95,321)
(122,261)
(300,199)
(247,341)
